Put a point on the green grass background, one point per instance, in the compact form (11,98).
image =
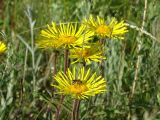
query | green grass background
(26,72)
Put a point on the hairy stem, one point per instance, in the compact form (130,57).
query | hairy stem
(66,65)
(59,108)
(102,64)
(66,60)
(75,110)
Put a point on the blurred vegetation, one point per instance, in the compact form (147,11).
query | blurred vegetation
(20,67)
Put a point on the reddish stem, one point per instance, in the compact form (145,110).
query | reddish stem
(66,65)
(75,110)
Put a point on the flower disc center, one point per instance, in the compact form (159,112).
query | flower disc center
(78,87)
(67,39)
(103,29)
(83,53)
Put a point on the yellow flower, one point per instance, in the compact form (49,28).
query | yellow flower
(102,29)
(67,35)
(2,47)
(87,55)
(79,85)
(47,43)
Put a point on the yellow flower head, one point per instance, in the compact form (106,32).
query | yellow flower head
(87,55)
(80,85)
(67,35)
(2,47)
(47,43)
(102,29)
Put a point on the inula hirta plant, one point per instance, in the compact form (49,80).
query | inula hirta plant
(80,46)
(105,29)
(2,47)
(80,85)
(88,54)
(66,35)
